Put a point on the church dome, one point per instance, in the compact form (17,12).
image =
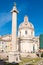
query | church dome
(26,29)
(26,24)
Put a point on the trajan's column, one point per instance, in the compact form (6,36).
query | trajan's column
(14,55)
(14,27)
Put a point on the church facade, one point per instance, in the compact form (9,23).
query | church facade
(27,40)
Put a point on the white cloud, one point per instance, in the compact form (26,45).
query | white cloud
(4,18)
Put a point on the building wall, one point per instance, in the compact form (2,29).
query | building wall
(22,33)
(5,43)
(26,47)
(4,46)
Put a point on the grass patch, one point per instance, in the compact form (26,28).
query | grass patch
(24,61)
(31,60)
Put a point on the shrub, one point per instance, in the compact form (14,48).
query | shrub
(42,54)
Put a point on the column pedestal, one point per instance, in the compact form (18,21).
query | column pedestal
(14,57)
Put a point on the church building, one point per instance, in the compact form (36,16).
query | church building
(28,42)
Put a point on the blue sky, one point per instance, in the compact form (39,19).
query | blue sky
(32,8)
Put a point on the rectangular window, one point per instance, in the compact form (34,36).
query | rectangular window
(25,32)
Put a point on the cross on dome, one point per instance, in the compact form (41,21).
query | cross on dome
(14,3)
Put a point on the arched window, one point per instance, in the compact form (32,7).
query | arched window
(25,32)
(33,48)
(2,50)
(31,32)
(20,33)
(16,58)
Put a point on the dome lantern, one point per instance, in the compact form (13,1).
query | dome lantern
(26,19)
(26,24)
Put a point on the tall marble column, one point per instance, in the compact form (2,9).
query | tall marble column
(14,27)
(14,55)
